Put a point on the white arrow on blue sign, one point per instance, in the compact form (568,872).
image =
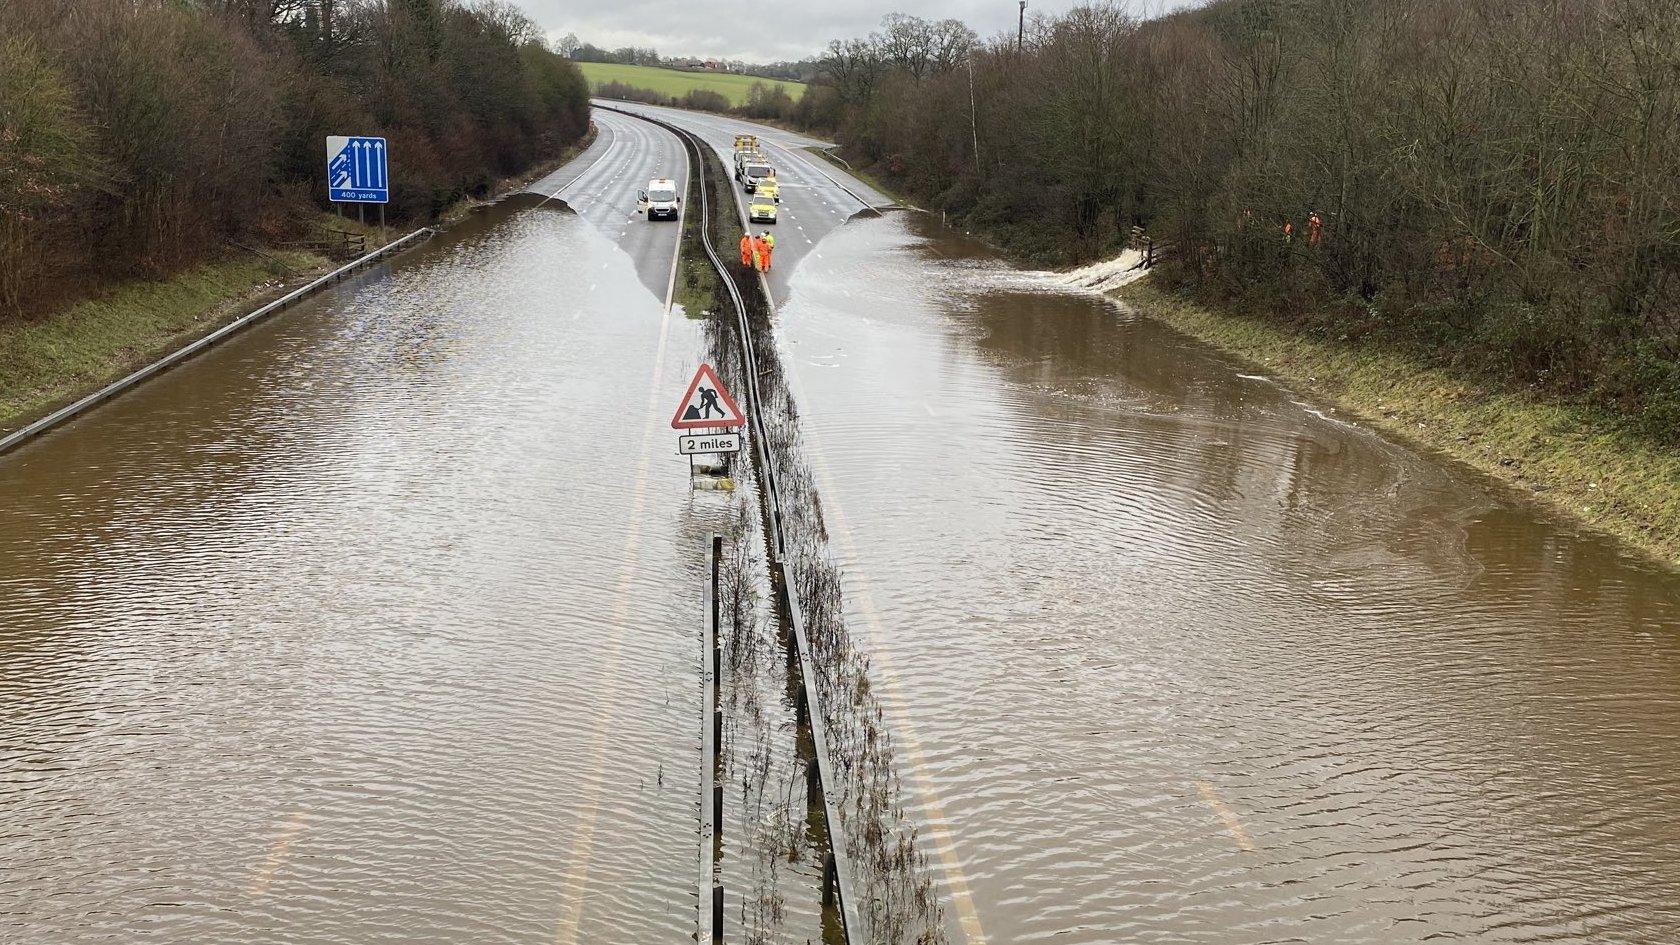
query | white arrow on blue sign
(356,170)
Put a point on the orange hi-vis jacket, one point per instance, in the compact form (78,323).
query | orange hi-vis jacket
(748,244)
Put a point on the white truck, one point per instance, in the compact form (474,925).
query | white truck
(660,199)
(751,167)
(754,171)
(745,155)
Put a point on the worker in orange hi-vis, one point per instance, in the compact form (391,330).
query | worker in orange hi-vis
(747,242)
(769,240)
(1314,226)
(757,254)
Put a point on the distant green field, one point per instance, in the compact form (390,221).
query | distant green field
(676,83)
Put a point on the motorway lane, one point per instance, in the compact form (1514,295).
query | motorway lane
(602,184)
(372,624)
(816,197)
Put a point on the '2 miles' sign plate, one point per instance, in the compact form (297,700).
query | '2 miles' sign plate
(696,443)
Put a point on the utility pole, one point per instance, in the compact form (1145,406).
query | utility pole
(974,112)
(1021,30)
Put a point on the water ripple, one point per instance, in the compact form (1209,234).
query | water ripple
(323,637)
(1185,659)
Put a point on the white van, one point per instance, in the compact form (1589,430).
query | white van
(660,199)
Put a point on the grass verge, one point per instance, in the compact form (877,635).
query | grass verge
(698,291)
(863,175)
(1567,458)
(45,362)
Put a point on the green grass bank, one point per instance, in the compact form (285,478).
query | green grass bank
(1568,458)
(677,83)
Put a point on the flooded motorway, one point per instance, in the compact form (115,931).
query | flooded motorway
(375,624)
(1173,655)
(378,624)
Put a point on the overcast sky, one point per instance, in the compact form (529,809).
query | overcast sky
(767,30)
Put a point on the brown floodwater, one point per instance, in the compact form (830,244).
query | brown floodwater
(379,623)
(1173,655)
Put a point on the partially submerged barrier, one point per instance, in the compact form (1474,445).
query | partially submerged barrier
(838,888)
(710,911)
(70,411)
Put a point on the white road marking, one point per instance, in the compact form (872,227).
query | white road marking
(1211,798)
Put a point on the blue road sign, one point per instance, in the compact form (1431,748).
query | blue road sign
(356,170)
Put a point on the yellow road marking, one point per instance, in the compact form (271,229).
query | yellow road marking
(582,852)
(1211,798)
(277,853)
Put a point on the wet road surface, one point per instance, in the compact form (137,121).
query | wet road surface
(817,198)
(1174,656)
(603,183)
(376,624)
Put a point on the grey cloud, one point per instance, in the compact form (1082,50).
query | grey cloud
(763,31)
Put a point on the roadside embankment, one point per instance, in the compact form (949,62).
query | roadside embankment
(51,360)
(1567,458)
(511,185)
(873,180)
(1581,464)
(48,361)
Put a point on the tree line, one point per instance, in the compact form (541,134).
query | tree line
(580,51)
(139,137)
(1493,183)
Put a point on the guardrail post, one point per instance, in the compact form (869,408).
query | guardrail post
(717,811)
(717,567)
(829,875)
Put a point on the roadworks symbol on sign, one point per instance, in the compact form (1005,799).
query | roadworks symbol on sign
(707,405)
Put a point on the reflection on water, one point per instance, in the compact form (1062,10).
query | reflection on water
(1181,658)
(321,638)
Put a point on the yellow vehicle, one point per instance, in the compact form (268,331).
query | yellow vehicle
(767,188)
(746,142)
(761,206)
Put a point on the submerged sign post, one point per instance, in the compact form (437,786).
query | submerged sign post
(707,407)
(358,173)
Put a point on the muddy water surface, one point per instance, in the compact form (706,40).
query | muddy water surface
(1175,656)
(378,624)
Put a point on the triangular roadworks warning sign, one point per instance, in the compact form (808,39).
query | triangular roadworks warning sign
(707,404)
